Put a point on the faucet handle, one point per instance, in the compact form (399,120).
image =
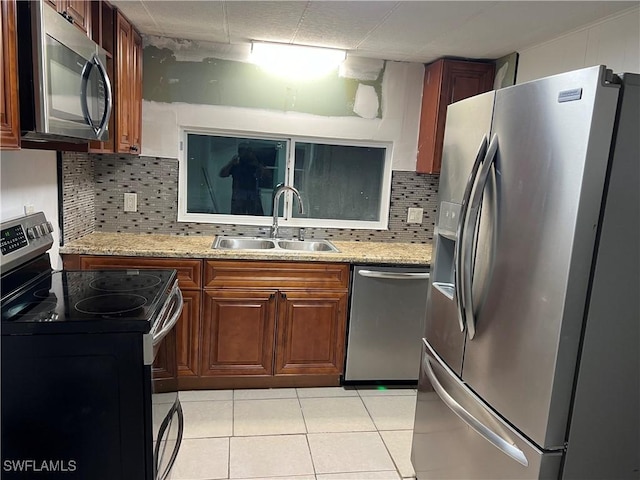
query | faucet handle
(301,232)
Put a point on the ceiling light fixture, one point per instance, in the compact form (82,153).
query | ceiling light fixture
(296,61)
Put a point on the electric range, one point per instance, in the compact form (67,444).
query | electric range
(79,399)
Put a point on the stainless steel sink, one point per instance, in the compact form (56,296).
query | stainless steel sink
(243,243)
(308,245)
(272,244)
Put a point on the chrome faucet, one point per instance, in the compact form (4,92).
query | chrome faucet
(276,196)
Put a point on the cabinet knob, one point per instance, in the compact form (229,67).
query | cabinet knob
(133,148)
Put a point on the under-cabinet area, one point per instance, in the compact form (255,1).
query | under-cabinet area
(251,323)
(250,319)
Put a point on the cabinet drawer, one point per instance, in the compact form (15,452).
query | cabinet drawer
(232,274)
(189,271)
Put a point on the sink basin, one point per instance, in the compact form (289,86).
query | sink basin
(272,244)
(308,245)
(243,243)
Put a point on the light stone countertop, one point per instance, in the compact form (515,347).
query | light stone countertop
(193,246)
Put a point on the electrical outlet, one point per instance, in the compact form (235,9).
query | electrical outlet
(414,215)
(28,209)
(130,202)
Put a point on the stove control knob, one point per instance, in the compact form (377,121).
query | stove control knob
(50,227)
(45,228)
(38,231)
(31,233)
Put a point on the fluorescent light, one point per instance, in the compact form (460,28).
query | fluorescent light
(296,61)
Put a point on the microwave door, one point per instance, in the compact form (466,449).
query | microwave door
(91,97)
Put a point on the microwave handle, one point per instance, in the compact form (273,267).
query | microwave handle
(108,97)
(86,70)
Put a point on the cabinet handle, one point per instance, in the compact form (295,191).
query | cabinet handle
(133,148)
(272,296)
(283,296)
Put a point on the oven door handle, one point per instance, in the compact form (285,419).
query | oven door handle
(168,324)
(175,410)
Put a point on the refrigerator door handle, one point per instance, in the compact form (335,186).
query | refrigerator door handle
(482,149)
(487,433)
(469,227)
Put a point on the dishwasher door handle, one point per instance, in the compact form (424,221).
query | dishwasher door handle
(393,275)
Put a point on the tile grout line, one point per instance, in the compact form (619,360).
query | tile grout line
(306,436)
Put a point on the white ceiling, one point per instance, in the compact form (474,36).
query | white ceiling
(414,31)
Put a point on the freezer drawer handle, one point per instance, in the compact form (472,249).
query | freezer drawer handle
(393,275)
(494,438)
(470,225)
(482,150)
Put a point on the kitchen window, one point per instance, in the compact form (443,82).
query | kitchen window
(231,179)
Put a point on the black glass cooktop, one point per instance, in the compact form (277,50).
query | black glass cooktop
(129,299)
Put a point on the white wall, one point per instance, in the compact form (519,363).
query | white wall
(401,94)
(28,177)
(614,42)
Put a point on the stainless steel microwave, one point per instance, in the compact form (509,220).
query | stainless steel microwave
(65,91)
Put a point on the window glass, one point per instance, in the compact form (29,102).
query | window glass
(233,175)
(339,182)
(232,179)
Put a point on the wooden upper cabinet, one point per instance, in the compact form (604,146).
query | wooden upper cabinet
(102,25)
(136,94)
(128,91)
(446,81)
(9,107)
(77,11)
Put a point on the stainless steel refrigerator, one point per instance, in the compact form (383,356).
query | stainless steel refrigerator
(530,365)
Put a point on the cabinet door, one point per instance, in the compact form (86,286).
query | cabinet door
(188,334)
(311,330)
(80,12)
(124,85)
(445,82)
(9,113)
(238,332)
(136,93)
(184,339)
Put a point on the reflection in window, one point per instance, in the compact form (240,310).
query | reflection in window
(233,180)
(229,175)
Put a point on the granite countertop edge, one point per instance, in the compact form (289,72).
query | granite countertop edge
(199,246)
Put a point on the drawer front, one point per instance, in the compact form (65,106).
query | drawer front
(242,274)
(189,271)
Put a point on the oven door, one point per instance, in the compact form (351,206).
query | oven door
(168,420)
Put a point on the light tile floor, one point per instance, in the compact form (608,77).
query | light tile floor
(297,434)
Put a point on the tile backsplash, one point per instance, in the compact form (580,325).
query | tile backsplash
(94,184)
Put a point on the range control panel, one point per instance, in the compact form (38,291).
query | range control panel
(24,236)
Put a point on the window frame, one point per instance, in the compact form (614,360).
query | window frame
(286,219)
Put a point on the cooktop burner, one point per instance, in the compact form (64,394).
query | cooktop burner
(111,304)
(125,283)
(79,297)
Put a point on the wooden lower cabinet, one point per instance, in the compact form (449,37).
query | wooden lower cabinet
(311,328)
(262,332)
(274,323)
(185,337)
(187,332)
(238,332)
(249,324)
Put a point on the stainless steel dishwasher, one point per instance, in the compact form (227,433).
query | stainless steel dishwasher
(388,308)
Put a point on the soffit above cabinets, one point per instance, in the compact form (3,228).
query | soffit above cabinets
(414,31)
